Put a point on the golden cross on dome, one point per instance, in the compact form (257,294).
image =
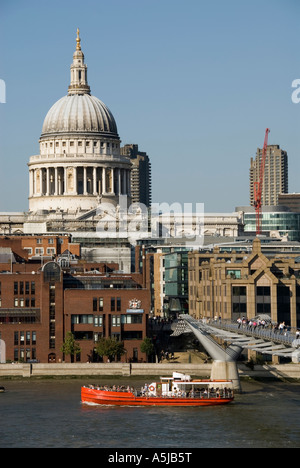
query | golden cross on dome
(78,47)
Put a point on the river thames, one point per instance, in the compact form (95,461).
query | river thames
(49,414)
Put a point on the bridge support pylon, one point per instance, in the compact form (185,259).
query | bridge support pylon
(226,370)
(224,365)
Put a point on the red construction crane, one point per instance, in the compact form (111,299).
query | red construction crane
(259,185)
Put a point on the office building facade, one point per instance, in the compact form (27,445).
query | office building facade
(275,175)
(140,174)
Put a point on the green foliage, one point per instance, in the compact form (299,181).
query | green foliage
(147,346)
(70,347)
(110,348)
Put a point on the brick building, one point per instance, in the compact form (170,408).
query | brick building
(28,247)
(41,303)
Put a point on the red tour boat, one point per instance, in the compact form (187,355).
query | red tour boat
(179,390)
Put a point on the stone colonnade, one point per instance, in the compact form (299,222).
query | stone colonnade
(79,180)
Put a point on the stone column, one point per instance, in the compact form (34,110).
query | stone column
(47,182)
(119,182)
(103,180)
(31,183)
(84,181)
(60,182)
(75,181)
(41,181)
(55,181)
(65,180)
(124,182)
(112,175)
(95,181)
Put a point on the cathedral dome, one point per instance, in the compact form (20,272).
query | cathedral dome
(80,113)
(80,162)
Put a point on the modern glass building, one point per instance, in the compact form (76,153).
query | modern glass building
(279,219)
(283,222)
(176,282)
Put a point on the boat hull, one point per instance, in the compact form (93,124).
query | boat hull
(99,397)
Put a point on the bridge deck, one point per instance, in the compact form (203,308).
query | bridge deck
(264,339)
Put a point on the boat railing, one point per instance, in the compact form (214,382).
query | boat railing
(193,394)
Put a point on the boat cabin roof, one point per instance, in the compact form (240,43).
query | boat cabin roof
(196,382)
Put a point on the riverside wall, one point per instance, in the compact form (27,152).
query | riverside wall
(26,370)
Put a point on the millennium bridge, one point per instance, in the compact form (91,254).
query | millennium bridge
(225,341)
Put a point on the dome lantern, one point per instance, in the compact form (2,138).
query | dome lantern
(79,84)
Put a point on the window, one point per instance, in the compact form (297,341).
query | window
(263,299)
(16,288)
(239,301)
(95,304)
(115,320)
(82,318)
(34,338)
(132,318)
(98,320)
(118,304)
(100,304)
(234,273)
(16,338)
(132,335)
(112,304)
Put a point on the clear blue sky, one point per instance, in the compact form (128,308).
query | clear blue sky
(194,83)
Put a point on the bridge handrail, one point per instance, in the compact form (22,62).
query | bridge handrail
(286,336)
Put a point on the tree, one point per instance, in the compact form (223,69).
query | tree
(147,346)
(110,348)
(70,347)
